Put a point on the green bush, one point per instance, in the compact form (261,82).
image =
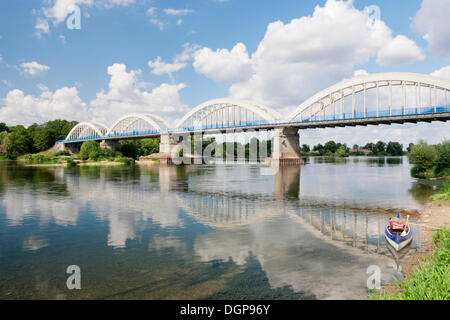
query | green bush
(443,156)
(70,162)
(90,150)
(61,153)
(423,155)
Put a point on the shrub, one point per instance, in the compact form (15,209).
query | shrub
(443,156)
(62,153)
(423,155)
(90,150)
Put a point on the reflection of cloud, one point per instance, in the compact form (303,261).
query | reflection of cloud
(33,244)
(160,243)
(291,255)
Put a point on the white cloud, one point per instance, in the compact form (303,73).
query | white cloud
(431,21)
(444,73)
(33,68)
(360,72)
(125,96)
(399,50)
(1,58)
(178,12)
(27,109)
(297,59)
(224,65)
(41,27)
(63,39)
(159,67)
(151,11)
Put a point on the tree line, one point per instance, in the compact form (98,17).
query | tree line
(332,148)
(430,160)
(18,140)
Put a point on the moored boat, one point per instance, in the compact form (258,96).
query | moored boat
(398,234)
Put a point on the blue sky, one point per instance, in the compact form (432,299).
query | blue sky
(209,49)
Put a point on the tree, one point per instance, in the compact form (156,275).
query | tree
(380,147)
(355,146)
(149,146)
(408,149)
(42,138)
(3,127)
(130,149)
(443,156)
(22,142)
(423,155)
(90,150)
(341,151)
(305,148)
(6,144)
(394,148)
(331,146)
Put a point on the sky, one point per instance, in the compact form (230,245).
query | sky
(98,60)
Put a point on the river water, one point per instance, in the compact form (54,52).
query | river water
(223,231)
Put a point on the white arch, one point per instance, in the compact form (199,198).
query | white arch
(156,122)
(81,127)
(361,83)
(263,111)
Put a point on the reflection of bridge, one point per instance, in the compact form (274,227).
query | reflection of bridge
(383,98)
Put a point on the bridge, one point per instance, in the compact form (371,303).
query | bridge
(383,98)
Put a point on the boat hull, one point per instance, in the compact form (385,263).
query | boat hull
(397,241)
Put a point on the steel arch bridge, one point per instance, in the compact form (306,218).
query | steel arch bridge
(383,98)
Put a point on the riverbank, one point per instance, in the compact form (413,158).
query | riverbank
(435,217)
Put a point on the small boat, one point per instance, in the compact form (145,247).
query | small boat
(398,233)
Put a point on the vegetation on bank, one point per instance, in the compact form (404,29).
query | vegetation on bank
(18,140)
(430,161)
(443,193)
(337,149)
(431,279)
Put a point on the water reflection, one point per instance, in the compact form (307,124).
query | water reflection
(310,231)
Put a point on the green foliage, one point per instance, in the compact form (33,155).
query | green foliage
(149,146)
(90,150)
(394,149)
(3,127)
(6,145)
(130,149)
(443,193)
(423,155)
(70,162)
(305,148)
(61,153)
(341,152)
(22,142)
(443,156)
(431,279)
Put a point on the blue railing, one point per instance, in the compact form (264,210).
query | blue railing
(379,114)
(345,116)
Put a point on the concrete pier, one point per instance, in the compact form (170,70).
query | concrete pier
(286,147)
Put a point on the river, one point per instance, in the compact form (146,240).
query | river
(218,231)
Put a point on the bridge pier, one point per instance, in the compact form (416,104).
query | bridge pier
(71,147)
(286,147)
(110,144)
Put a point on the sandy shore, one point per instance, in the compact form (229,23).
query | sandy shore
(435,215)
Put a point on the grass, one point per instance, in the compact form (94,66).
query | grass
(443,193)
(431,279)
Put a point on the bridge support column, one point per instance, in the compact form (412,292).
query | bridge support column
(110,144)
(286,147)
(71,147)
